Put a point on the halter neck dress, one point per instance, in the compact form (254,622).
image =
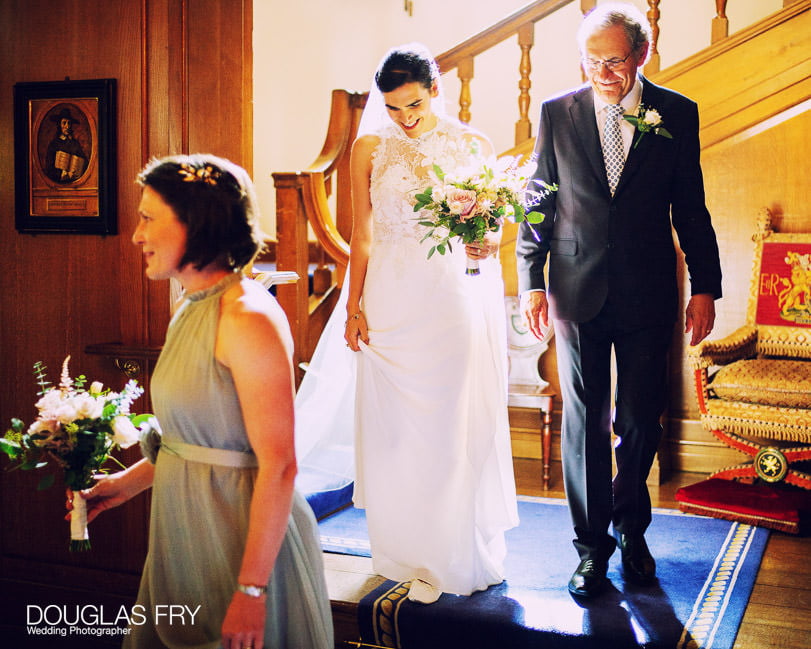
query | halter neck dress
(202,490)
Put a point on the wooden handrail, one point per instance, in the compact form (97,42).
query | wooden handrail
(338,132)
(326,231)
(791,8)
(502,30)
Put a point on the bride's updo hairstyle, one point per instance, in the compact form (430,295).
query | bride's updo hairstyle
(407,64)
(216,201)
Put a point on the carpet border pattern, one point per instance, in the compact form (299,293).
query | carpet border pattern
(702,626)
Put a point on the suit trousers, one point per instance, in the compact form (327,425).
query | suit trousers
(584,366)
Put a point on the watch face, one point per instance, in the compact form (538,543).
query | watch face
(771,465)
(252,591)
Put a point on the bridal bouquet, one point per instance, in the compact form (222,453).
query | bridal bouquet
(473,201)
(76,429)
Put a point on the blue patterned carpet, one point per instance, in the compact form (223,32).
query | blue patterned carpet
(706,569)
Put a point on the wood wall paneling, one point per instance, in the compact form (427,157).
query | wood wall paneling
(183,72)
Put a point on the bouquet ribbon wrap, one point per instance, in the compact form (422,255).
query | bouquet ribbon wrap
(79,538)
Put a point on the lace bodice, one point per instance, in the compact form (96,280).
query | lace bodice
(400,166)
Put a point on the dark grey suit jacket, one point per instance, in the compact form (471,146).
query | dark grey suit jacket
(621,247)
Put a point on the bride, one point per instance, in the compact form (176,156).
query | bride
(433,464)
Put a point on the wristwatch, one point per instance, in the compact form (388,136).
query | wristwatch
(252,591)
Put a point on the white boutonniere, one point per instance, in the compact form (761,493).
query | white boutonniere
(647,119)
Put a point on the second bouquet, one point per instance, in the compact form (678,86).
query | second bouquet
(76,429)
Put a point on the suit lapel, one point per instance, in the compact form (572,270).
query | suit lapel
(584,124)
(638,154)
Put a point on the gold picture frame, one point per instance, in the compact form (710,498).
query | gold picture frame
(65,166)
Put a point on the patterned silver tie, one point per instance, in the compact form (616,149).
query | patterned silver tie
(613,151)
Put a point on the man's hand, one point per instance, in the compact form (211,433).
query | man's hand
(535,310)
(699,317)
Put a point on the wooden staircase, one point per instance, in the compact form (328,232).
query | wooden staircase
(764,69)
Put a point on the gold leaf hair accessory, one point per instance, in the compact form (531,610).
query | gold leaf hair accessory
(206,174)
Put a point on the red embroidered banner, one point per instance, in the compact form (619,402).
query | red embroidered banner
(784,287)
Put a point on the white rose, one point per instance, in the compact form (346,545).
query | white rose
(652,117)
(96,387)
(49,402)
(125,434)
(66,413)
(87,406)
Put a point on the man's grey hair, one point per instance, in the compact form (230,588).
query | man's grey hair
(632,20)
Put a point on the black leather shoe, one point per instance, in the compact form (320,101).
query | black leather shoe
(638,566)
(589,579)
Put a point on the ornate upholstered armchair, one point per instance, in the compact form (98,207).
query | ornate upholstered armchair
(758,400)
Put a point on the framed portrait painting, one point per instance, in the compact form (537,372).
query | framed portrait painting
(64,148)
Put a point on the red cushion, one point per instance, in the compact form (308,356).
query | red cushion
(777,507)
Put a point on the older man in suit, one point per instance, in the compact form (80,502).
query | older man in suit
(612,278)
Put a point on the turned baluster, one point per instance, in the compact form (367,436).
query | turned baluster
(720,24)
(526,39)
(465,73)
(652,65)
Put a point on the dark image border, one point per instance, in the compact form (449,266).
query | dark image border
(84,203)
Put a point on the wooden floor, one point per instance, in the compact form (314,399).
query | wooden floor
(779,610)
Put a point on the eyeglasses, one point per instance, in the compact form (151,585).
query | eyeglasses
(612,64)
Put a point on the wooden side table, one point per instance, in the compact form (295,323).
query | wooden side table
(540,398)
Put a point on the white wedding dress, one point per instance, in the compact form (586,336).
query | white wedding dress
(433,457)
(425,402)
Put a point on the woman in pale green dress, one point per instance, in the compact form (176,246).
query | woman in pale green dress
(233,548)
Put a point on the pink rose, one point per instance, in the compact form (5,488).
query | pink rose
(461,201)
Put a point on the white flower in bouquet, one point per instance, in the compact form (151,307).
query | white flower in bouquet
(438,193)
(49,403)
(85,406)
(125,434)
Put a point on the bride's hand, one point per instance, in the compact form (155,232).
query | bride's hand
(483,249)
(356,329)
